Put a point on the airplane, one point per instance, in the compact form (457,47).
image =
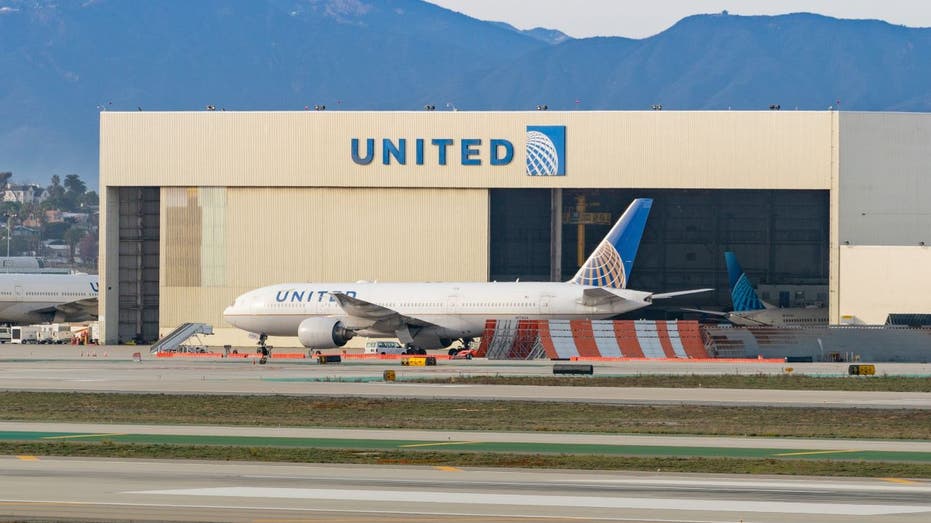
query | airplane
(751,311)
(432,315)
(46,298)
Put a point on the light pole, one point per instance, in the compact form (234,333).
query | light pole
(9,218)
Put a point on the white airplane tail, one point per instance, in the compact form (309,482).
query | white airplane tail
(611,263)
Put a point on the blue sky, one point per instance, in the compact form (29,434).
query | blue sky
(637,19)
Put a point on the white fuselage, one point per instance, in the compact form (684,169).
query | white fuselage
(455,310)
(35,298)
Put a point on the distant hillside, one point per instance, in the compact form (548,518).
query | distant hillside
(550,36)
(722,61)
(64,58)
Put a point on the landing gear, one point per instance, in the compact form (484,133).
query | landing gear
(466,345)
(410,348)
(263,349)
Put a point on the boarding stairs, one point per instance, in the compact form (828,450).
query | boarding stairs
(175,339)
(515,340)
(502,337)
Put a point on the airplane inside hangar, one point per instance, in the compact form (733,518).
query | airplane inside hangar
(781,234)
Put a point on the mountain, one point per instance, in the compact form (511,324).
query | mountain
(64,60)
(801,60)
(550,36)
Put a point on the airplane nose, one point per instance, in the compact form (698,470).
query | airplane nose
(229,315)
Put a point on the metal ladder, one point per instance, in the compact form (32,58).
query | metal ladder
(175,338)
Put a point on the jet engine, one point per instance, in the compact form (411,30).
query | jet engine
(323,333)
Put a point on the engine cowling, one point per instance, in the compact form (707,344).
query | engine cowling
(323,333)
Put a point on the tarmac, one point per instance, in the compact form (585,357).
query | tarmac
(50,488)
(113,369)
(160,490)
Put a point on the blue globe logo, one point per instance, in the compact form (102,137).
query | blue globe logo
(603,269)
(542,156)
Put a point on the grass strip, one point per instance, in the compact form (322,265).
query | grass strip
(472,459)
(692,381)
(514,416)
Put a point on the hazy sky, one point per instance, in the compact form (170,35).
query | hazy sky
(638,19)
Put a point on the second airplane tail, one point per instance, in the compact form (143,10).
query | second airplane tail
(743,297)
(611,263)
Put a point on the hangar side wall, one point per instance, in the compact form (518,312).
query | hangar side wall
(884,223)
(603,149)
(219,242)
(876,280)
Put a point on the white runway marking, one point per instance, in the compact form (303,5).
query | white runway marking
(476,498)
(816,487)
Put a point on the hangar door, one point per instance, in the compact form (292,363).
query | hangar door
(138,264)
(780,237)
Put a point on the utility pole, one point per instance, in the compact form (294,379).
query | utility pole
(9,219)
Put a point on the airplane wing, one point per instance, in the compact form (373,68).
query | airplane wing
(667,295)
(713,313)
(79,310)
(599,296)
(374,313)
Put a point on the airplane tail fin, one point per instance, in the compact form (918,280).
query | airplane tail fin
(743,296)
(613,259)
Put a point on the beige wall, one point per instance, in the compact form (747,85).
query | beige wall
(877,280)
(274,235)
(618,149)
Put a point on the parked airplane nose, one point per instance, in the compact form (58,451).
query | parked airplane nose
(229,314)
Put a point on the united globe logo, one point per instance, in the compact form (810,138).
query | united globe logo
(603,269)
(546,150)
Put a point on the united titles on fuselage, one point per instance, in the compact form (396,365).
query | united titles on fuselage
(308,295)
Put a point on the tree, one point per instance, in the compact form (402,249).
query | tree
(56,194)
(90,200)
(55,230)
(88,248)
(74,190)
(74,184)
(72,237)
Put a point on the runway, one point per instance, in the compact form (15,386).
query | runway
(106,489)
(211,377)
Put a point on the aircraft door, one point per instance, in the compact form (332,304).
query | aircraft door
(19,291)
(545,304)
(452,304)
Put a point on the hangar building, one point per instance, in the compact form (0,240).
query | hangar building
(823,208)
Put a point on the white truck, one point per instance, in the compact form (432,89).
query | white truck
(383,347)
(24,334)
(55,333)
